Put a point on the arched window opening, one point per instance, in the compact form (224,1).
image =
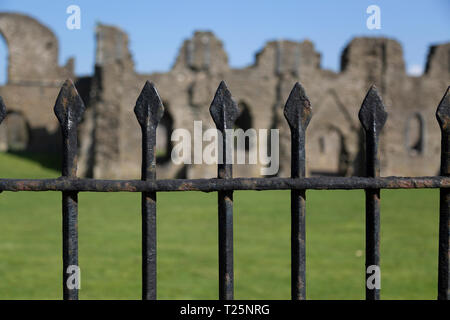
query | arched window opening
(17,131)
(244,122)
(330,153)
(3,61)
(163,132)
(415,135)
(322,144)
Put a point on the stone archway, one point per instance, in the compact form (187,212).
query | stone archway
(244,122)
(330,152)
(17,131)
(164,130)
(415,134)
(331,143)
(33,51)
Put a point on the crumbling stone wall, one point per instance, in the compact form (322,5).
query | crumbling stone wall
(410,141)
(34,79)
(111,138)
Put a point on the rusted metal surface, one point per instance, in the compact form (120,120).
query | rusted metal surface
(224,112)
(69,110)
(149,111)
(443,117)
(212,185)
(297,112)
(373,117)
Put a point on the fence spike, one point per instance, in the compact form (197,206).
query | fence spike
(443,111)
(224,110)
(297,110)
(69,106)
(443,117)
(2,110)
(298,113)
(149,108)
(372,114)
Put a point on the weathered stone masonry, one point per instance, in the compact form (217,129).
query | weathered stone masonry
(111,138)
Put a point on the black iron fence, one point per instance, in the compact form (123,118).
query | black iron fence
(149,110)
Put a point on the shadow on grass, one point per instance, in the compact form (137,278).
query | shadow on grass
(46,160)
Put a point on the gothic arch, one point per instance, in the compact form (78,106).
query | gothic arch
(17,131)
(331,137)
(163,132)
(244,121)
(330,152)
(33,49)
(415,134)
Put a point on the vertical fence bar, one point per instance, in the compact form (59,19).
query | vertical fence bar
(372,116)
(443,117)
(298,113)
(69,110)
(149,111)
(224,111)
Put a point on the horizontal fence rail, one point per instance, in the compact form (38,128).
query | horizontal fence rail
(224,111)
(210,185)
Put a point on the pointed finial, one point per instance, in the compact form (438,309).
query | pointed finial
(298,111)
(149,108)
(443,111)
(2,110)
(372,114)
(223,109)
(69,106)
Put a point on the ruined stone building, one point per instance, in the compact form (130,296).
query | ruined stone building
(111,138)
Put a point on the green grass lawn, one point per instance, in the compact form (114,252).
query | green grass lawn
(109,243)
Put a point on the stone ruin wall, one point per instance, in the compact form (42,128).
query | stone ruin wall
(34,80)
(110,135)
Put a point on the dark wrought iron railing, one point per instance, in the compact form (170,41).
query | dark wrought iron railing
(149,110)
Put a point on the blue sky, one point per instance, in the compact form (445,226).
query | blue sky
(157,28)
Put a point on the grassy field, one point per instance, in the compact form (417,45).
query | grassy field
(109,243)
